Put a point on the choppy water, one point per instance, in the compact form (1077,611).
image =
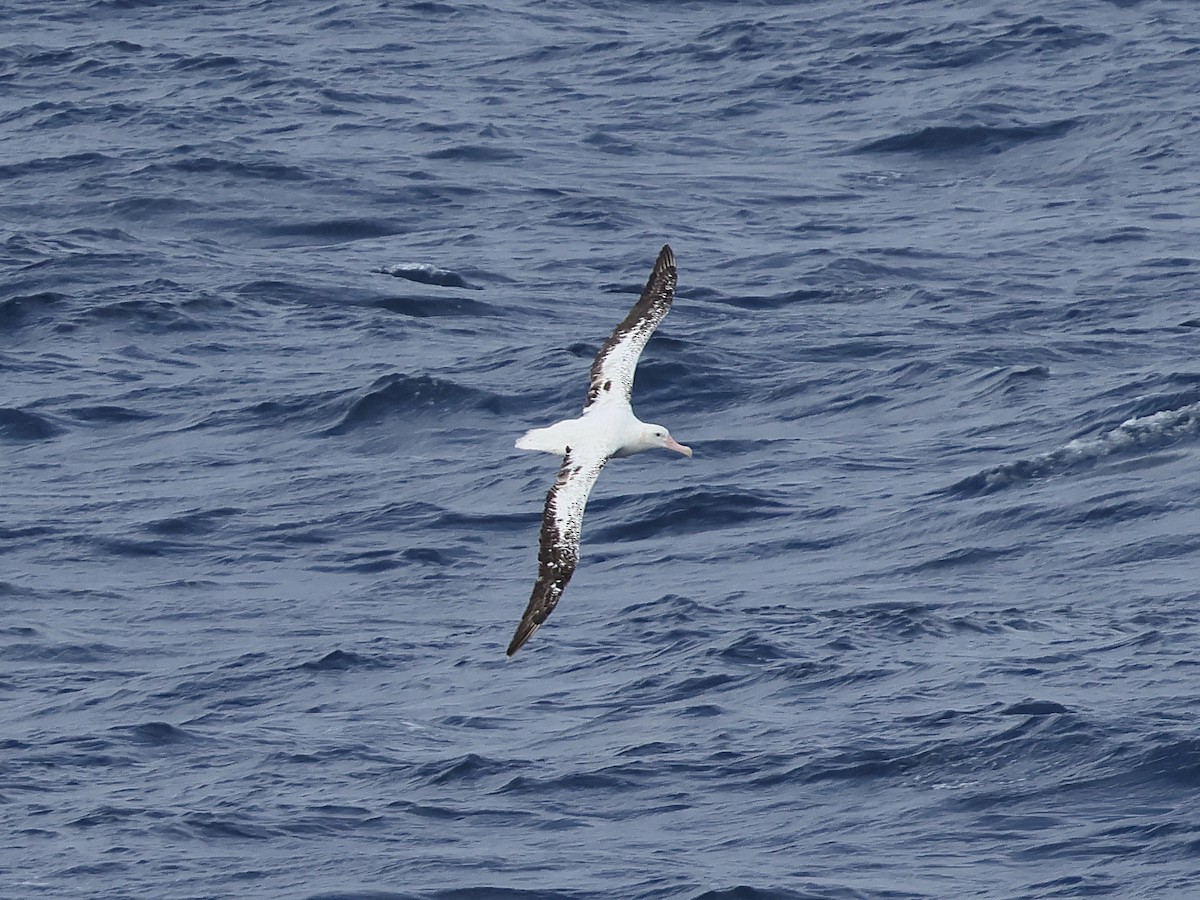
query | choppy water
(281,283)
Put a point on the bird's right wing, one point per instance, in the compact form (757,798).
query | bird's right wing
(558,546)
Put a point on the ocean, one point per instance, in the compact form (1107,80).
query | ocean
(280,285)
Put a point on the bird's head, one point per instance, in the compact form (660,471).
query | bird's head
(657,436)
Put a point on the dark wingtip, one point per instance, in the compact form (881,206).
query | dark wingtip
(666,256)
(524,632)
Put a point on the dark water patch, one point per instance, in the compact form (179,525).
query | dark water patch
(475,153)
(1155,400)
(741,39)
(222,827)
(207,61)
(193,522)
(1154,549)
(332,819)
(858,348)
(814,891)
(692,510)
(773,301)
(423,273)
(1011,381)
(107,815)
(1173,760)
(105,414)
(436,307)
(951,139)
(145,208)
(1098,511)
(342,661)
(23,631)
(1034,708)
(247,682)
(1041,34)
(278,291)
(133,548)
(413,395)
(482,723)
(849,402)
(618,778)
(372,561)
(1126,234)
(429,8)
(670,609)
(22,427)
(468,769)
(154,734)
(27,309)
(332,231)
(678,688)
(1029,38)
(475,892)
(83,116)
(752,649)
(476,813)
(595,213)
(55,165)
(736,448)
(429,556)
(275,414)
(150,316)
(978,743)
(896,620)
(126,5)
(673,381)
(493,522)
(610,143)
(248,170)
(962,556)
(85,752)
(44,652)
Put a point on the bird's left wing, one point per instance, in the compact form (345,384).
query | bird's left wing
(558,546)
(613,368)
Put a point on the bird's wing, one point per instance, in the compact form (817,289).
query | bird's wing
(613,368)
(558,547)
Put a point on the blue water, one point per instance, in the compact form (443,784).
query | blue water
(280,284)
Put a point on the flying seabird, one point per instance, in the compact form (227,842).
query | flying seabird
(606,429)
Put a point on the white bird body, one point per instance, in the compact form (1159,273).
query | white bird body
(607,428)
(610,426)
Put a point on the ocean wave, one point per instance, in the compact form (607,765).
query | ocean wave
(691,510)
(29,309)
(435,307)
(938,139)
(411,395)
(423,273)
(474,153)
(332,231)
(23,426)
(1147,434)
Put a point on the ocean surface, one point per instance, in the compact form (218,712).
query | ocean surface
(281,283)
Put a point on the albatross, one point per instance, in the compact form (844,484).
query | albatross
(606,429)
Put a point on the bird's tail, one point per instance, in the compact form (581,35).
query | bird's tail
(548,440)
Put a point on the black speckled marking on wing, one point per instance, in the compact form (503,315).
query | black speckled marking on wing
(558,547)
(613,367)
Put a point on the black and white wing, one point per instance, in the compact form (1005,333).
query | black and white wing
(613,368)
(558,547)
